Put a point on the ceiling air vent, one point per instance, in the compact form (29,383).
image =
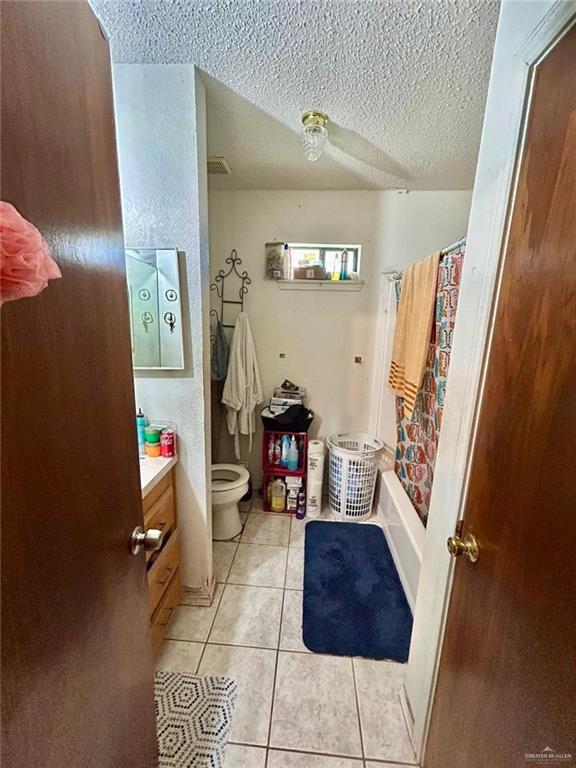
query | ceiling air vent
(218,166)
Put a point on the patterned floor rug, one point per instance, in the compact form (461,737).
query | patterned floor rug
(193,716)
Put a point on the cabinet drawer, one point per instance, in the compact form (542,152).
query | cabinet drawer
(156,492)
(165,609)
(162,570)
(161,514)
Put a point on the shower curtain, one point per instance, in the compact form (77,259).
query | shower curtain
(417,438)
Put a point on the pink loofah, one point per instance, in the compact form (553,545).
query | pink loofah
(25,261)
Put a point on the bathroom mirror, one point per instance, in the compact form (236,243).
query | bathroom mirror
(155,308)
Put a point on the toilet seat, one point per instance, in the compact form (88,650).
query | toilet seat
(227,477)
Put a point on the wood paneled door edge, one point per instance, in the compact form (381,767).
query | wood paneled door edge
(533,29)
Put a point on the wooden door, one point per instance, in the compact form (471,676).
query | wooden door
(507,678)
(77,668)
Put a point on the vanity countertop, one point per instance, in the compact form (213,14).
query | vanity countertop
(152,470)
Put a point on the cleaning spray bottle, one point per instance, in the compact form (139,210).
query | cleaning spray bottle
(293,454)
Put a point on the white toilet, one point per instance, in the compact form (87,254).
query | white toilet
(229,484)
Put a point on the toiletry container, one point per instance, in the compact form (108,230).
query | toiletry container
(152,450)
(286,262)
(152,434)
(293,488)
(278,495)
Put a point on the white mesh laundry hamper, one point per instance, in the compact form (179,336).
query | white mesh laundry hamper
(352,473)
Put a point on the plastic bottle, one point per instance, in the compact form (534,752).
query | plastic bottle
(293,454)
(285,449)
(336,270)
(286,262)
(271,449)
(140,426)
(301,507)
(344,266)
(277,450)
(278,495)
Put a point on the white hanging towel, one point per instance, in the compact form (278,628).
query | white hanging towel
(243,387)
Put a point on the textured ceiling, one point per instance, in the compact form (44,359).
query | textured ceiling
(403,82)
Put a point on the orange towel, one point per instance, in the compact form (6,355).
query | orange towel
(413,329)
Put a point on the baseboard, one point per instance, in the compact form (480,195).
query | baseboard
(201,596)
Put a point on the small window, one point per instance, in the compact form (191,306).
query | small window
(328,258)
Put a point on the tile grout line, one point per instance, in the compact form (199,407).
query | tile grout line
(339,755)
(207,641)
(209,632)
(235,555)
(277,654)
(257,586)
(226,541)
(356,696)
(259,647)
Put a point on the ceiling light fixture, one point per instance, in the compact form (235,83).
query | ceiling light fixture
(315,134)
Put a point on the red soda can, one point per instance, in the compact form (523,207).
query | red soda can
(167,443)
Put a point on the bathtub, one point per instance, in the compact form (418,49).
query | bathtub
(403,529)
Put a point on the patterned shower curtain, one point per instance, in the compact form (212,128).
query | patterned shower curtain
(417,438)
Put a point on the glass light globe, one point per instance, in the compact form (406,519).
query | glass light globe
(314,140)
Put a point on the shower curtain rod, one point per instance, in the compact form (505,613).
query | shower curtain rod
(394,274)
(457,244)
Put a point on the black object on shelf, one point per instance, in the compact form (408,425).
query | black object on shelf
(297,418)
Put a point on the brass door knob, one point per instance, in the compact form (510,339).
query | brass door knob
(467,546)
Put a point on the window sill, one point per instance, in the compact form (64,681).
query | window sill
(321,285)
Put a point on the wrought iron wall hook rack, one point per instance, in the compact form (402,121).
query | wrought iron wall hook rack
(218,286)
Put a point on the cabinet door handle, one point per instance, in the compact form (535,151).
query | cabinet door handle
(168,571)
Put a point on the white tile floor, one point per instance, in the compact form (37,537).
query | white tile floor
(294,709)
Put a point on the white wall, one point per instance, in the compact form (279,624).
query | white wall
(321,332)
(160,117)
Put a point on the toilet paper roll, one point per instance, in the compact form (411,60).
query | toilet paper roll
(314,499)
(315,469)
(316,448)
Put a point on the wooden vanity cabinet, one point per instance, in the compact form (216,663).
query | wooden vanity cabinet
(163,566)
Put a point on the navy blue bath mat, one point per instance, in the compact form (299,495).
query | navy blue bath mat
(354,604)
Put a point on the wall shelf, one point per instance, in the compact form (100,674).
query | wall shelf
(320,285)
